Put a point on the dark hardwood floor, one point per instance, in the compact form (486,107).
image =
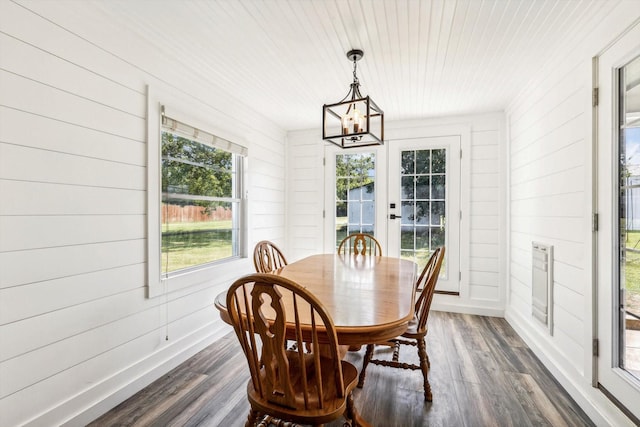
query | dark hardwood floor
(482,374)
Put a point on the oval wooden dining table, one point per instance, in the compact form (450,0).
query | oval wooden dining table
(370,298)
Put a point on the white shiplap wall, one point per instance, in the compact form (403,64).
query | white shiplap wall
(482,287)
(305,194)
(77,334)
(550,201)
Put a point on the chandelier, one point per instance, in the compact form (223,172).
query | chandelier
(356,120)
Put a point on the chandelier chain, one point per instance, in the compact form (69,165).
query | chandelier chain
(355,66)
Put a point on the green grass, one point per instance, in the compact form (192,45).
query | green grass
(195,226)
(189,244)
(632,265)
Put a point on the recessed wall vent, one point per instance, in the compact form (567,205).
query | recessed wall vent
(542,284)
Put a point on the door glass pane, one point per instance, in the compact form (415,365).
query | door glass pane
(355,194)
(628,295)
(422,187)
(423,181)
(407,186)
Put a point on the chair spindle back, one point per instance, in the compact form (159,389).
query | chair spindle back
(360,244)
(256,307)
(267,257)
(427,282)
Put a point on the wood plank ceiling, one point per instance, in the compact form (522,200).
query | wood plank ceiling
(422,58)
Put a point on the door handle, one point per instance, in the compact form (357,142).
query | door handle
(394,216)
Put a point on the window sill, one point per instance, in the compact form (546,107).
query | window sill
(214,273)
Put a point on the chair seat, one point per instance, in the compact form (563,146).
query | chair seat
(412,330)
(333,406)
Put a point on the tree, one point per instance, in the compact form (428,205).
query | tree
(353,171)
(192,168)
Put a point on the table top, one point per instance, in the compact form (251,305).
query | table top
(370,299)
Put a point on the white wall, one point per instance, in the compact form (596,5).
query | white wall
(482,288)
(549,200)
(77,334)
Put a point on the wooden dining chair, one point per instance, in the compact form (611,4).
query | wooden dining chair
(267,257)
(360,244)
(417,330)
(308,385)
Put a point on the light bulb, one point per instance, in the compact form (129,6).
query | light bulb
(357,120)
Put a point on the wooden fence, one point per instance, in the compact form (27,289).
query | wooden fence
(191,213)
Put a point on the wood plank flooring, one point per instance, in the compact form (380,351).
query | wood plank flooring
(482,374)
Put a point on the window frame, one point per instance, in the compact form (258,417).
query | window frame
(197,116)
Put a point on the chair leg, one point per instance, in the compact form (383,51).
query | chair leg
(252,418)
(367,358)
(424,366)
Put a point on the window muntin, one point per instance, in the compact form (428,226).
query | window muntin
(201,202)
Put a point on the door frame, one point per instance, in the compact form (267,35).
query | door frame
(614,382)
(463,130)
(401,131)
(450,281)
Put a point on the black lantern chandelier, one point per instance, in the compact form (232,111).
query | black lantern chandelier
(355,121)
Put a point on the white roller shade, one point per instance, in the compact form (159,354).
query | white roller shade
(181,129)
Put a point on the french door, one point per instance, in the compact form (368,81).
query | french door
(424,203)
(355,193)
(618,205)
(406,193)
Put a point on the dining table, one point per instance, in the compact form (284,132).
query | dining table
(369,298)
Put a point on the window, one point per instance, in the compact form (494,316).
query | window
(196,205)
(201,199)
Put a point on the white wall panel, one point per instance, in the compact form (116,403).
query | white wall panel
(58,262)
(484,217)
(77,330)
(484,279)
(49,166)
(481,166)
(23,302)
(37,198)
(488,264)
(482,208)
(482,250)
(566,204)
(485,222)
(37,98)
(487,293)
(39,231)
(305,195)
(30,130)
(38,364)
(569,324)
(570,276)
(484,180)
(550,202)
(29,61)
(52,38)
(484,195)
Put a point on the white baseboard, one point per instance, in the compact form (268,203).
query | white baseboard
(455,304)
(103,396)
(600,409)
